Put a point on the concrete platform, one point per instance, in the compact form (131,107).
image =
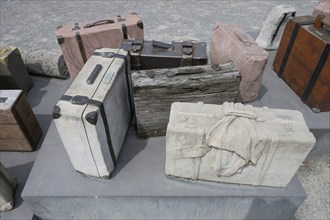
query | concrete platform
(139,189)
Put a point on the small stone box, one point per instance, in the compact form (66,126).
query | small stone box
(233,143)
(20,130)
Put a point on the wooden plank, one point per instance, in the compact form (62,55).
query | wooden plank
(29,121)
(155,90)
(15,144)
(11,131)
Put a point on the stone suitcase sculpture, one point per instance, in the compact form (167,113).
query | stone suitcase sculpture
(93,116)
(230,43)
(155,90)
(79,41)
(7,188)
(19,128)
(272,31)
(303,43)
(155,54)
(233,143)
(13,73)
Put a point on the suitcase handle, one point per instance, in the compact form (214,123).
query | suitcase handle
(245,38)
(161,45)
(189,70)
(100,22)
(94,74)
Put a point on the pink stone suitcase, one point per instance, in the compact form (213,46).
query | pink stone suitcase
(230,43)
(78,41)
(323,8)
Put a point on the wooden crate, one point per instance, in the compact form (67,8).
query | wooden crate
(155,90)
(19,128)
(302,61)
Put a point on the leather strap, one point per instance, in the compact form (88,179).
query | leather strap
(290,45)
(316,73)
(124,29)
(82,100)
(81,47)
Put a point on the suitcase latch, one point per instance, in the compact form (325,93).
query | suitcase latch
(136,45)
(187,53)
(187,47)
(120,19)
(76,26)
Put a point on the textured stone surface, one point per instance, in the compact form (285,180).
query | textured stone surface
(315,178)
(45,62)
(236,143)
(272,31)
(231,43)
(155,90)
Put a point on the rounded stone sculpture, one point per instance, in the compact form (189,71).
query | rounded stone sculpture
(44,62)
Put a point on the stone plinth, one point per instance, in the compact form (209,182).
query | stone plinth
(139,189)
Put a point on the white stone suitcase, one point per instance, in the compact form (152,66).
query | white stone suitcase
(234,143)
(93,116)
(7,188)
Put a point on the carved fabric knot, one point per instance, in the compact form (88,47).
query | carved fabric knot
(235,139)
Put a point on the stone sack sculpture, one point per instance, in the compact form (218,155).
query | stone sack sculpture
(233,143)
(231,43)
(272,31)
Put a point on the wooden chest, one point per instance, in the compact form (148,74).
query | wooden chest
(156,55)
(302,61)
(155,90)
(78,41)
(19,128)
(93,116)
(13,72)
(235,143)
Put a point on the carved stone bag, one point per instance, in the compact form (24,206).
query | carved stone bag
(234,143)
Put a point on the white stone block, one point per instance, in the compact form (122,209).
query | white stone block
(236,143)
